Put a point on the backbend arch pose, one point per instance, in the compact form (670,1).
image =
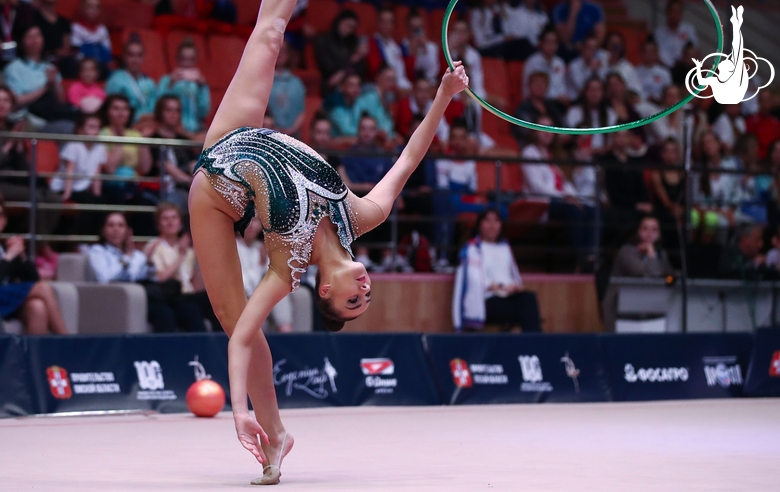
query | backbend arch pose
(731,83)
(246,171)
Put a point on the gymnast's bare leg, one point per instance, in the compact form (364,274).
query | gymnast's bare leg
(212,217)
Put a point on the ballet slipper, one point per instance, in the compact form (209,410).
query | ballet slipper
(272,472)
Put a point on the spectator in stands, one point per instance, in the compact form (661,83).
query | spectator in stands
(684,65)
(36,83)
(418,102)
(488,288)
(22,295)
(672,125)
(674,34)
(346,115)
(592,111)
(764,124)
(535,105)
(16,17)
(652,75)
(624,183)
(501,31)
(362,173)
(384,50)
(386,86)
(320,138)
(254,266)
(189,84)
(547,180)
(668,191)
(56,31)
(643,256)
(288,96)
(86,160)
(420,54)
(716,196)
(744,259)
(574,20)
(130,81)
(13,157)
(86,94)
(548,62)
(123,160)
(532,20)
(115,259)
(174,263)
(616,63)
(340,51)
(460,49)
(90,37)
(592,63)
(619,99)
(179,162)
(729,126)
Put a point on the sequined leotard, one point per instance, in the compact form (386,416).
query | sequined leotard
(290,188)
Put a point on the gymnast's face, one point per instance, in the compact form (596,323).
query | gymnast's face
(349,290)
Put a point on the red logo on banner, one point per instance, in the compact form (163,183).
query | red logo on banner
(774,366)
(59,383)
(375,367)
(461,373)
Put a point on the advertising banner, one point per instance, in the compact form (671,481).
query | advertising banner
(322,369)
(143,372)
(517,369)
(15,397)
(676,366)
(763,375)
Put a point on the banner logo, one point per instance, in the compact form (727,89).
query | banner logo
(655,375)
(461,374)
(531,368)
(774,366)
(723,371)
(730,78)
(59,384)
(311,381)
(151,382)
(571,371)
(373,369)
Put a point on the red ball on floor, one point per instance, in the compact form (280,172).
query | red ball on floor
(205,398)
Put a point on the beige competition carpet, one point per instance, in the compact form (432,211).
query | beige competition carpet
(726,445)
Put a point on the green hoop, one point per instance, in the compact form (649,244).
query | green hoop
(574,131)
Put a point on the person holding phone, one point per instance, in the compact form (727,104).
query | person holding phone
(189,84)
(420,54)
(642,256)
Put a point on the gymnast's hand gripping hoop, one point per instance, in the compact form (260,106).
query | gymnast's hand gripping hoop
(573,131)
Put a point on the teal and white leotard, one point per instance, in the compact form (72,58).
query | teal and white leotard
(288,185)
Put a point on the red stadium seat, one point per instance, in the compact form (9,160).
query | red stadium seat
(320,14)
(68,8)
(311,79)
(486,176)
(155,64)
(224,56)
(174,38)
(401,13)
(247,11)
(48,158)
(216,99)
(121,14)
(496,81)
(313,104)
(435,21)
(515,73)
(367,15)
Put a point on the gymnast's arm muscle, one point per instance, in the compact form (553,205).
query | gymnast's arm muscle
(271,290)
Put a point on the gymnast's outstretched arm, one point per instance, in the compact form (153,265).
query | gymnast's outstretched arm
(247,95)
(388,189)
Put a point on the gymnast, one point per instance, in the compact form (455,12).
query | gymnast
(307,213)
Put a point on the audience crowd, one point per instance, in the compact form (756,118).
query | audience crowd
(345,89)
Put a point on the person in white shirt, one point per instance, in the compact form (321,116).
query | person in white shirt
(291,314)
(674,34)
(653,76)
(531,21)
(670,127)
(420,54)
(617,63)
(729,125)
(591,63)
(384,49)
(84,160)
(592,111)
(547,180)
(503,31)
(548,62)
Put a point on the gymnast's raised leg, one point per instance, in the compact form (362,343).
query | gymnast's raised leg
(212,219)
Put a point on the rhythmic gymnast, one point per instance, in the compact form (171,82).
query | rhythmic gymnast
(308,214)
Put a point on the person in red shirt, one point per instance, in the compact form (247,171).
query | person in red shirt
(763,124)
